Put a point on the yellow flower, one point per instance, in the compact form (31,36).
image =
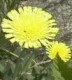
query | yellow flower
(61,49)
(29,26)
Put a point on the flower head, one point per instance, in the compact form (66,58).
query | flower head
(61,49)
(29,26)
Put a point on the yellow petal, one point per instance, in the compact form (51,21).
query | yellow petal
(9,35)
(12,40)
(4,25)
(43,42)
(30,44)
(35,45)
(26,45)
(20,10)
(8,30)
(13,15)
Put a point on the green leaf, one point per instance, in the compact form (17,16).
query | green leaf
(61,70)
(9,70)
(66,71)
(56,74)
(2,66)
(3,41)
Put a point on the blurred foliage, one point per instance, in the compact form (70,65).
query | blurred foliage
(23,64)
